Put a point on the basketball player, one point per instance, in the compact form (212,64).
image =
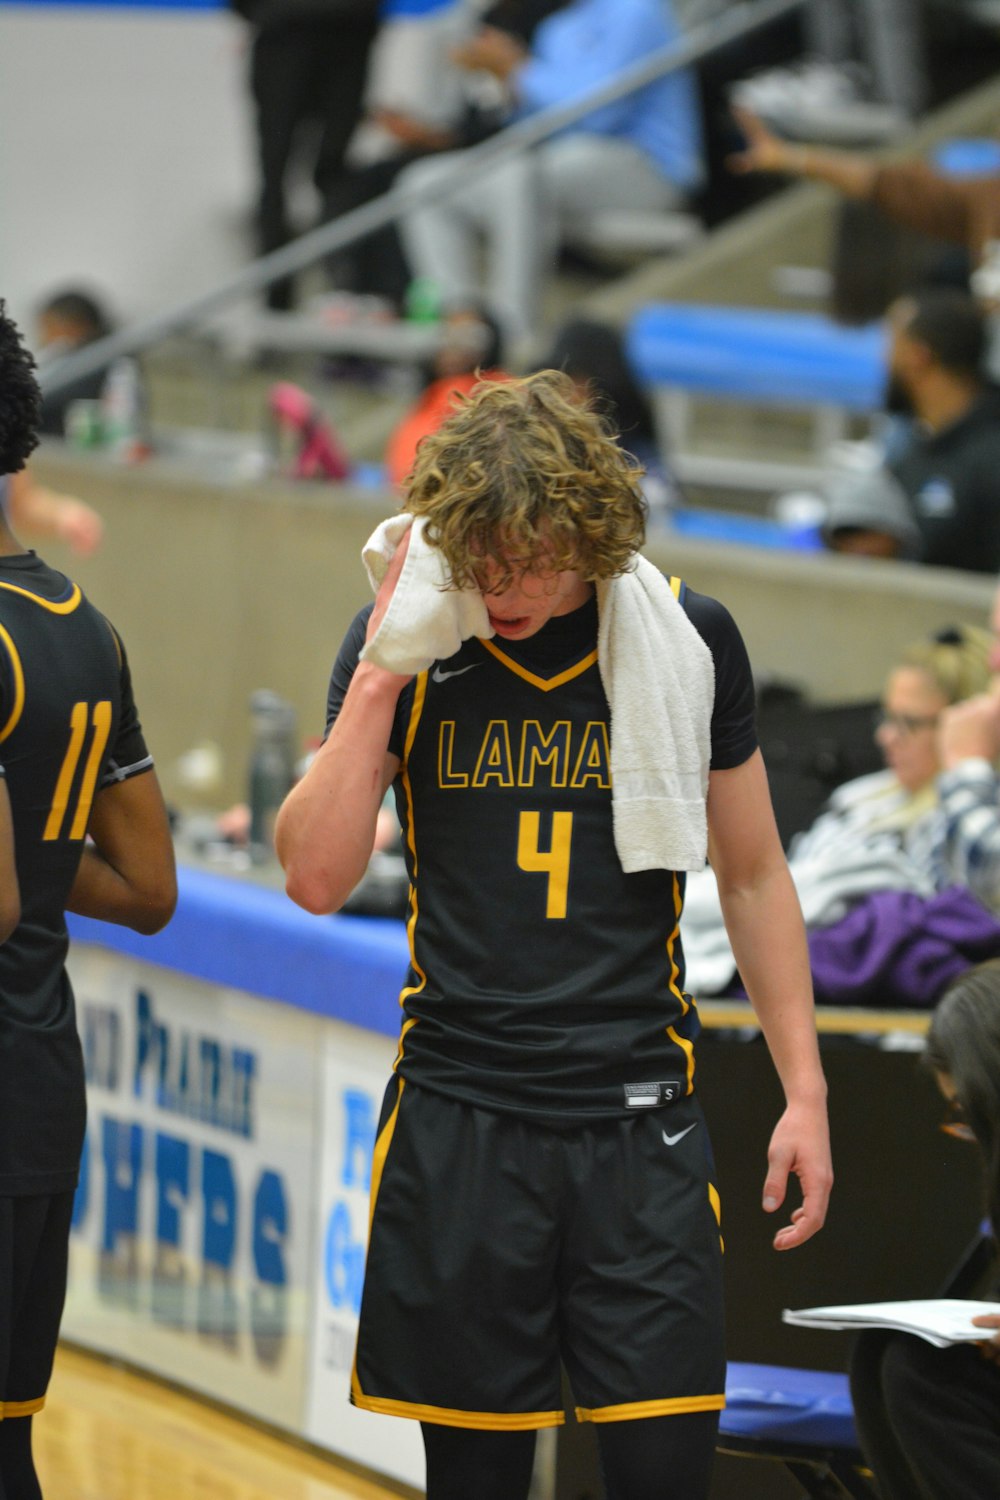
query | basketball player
(543,1183)
(73,764)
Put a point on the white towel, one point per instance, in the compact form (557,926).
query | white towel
(657,673)
(426,620)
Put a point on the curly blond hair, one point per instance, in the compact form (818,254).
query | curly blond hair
(526,475)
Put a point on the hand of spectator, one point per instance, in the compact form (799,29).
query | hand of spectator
(491,50)
(411,132)
(764,151)
(76,524)
(970,730)
(990,1348)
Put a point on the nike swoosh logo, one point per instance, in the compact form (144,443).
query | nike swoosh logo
(438,676)
(671,1140)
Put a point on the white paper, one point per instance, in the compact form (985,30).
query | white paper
(939,1320)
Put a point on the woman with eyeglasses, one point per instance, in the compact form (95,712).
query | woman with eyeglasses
(929,1419)
(881,831)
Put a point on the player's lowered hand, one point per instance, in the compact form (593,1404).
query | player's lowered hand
(800,1146)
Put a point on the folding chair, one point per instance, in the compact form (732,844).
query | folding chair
(801,1418)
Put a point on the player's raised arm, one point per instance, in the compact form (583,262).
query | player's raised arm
(325,829)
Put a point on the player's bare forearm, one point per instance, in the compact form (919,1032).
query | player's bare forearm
(325,830)
(127,874)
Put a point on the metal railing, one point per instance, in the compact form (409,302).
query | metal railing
(468,164)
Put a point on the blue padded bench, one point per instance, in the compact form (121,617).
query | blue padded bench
(803,1418)
(760,356)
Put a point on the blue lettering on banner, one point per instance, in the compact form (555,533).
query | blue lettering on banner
(213,1306)
(343,1261)
(359,1139)
(198,1076)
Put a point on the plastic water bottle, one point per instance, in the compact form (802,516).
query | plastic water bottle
(272,767)
(123,410)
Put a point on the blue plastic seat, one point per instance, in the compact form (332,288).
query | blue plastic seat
(759,354)
(804,1419)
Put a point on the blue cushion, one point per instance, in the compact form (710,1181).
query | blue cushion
(775,1403)
(967,158)
(785,358)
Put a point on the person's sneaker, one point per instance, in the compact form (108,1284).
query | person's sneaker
(818,101)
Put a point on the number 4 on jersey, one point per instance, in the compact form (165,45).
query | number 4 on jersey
(553,862)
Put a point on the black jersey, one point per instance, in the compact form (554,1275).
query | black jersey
(543,979)
(68,727)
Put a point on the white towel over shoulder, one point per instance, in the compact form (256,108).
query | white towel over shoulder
(659,678)
(657,673)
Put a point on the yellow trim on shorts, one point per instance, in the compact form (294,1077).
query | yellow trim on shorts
(21,1408)
(670,1406)
(447,1416)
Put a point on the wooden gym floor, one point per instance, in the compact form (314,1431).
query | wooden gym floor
(110,1434)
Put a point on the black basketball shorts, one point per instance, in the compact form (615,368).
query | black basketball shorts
(34,1250)
(501,1248)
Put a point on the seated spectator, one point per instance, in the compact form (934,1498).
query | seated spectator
(969,784)
(928,1419)
(882,831)
(418,103)
(472,349)
(643,152)
(67,321)
(947,466)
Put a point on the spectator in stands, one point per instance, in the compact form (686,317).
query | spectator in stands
(882,831)
(947,467)
(472,347)
(419,102)
(309,63)
(969,784)
(929,1419)
(67,321)
(964,210)
(643,152)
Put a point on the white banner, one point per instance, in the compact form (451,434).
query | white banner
(357,1066)
(193,1233)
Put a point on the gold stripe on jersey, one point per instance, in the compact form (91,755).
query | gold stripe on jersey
(716,1203)
(416,709)
(18,673)
(630,1411)
(379,1155)
(545,684)
(686,1047)
(448,1416)
(58,607)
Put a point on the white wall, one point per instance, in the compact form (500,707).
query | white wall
(126,153)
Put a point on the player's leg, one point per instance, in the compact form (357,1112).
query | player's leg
(641,1301)
(34,1247)
(458,1322)
(488,1465)
(658,1458)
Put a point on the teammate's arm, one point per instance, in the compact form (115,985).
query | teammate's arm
(325,829)
(127,873)
(10,893)
(764,922)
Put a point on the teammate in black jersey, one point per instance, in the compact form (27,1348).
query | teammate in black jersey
(543,1186)
(82,827)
